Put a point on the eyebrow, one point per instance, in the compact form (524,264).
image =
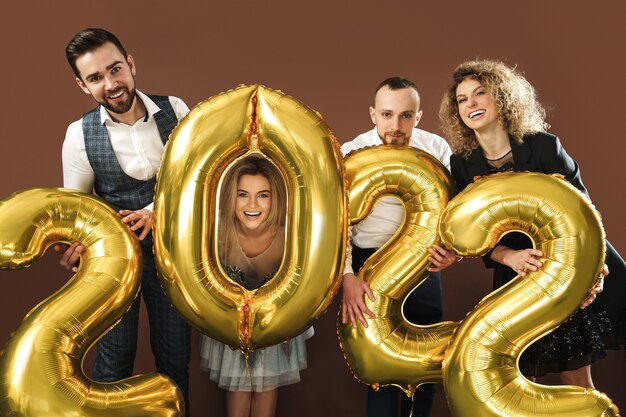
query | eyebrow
(401,112)
(474,90)
(108,68)
(260,191)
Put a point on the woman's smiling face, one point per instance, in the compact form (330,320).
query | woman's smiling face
(477,107)
(254,201)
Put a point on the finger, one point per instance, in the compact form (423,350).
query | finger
(588,301)
(530,267)
(75,255)
(65,258)
(532,264)
(436,250)
(144,233)
(450,258)
(362,309)
(344,313)
(362,319)
(437,257)
(136,225)
(129,218)
(61,247)
(597,289)
(436,262)
(605,270)
(353,320)
(123,213)
(369,292)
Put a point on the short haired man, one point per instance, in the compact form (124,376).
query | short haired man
(115,150)
(395,115)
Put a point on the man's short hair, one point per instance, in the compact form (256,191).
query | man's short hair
(88,40)
(397,83)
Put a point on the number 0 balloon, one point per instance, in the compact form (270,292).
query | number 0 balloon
(228,126)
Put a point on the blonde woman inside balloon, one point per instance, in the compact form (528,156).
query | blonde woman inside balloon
(494,123)
(251,240)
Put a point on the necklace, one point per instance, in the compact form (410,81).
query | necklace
(497,159)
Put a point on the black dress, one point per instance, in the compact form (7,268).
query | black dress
(579,340)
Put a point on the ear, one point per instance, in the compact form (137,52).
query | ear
(82,86)
(373,114)
(418,116)
(131,64)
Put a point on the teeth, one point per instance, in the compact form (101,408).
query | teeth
(476,113)
(118,94)
(252,213)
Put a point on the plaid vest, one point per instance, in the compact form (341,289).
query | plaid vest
(111,182)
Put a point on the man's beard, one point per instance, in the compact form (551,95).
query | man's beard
(394,140)
(120,108)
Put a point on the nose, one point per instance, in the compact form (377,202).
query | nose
(109,83)
(395,123)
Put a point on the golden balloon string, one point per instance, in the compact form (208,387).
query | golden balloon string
(480,366)
(41,365)
(392,351)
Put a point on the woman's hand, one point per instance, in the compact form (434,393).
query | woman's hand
(521,261)
(69,255)
(597,289)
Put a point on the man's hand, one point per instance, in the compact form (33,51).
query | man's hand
(353,301)
(597,289)
(136,220)
(441,258)
(69,254)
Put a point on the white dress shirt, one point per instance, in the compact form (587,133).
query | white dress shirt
(387,215)
(138,147)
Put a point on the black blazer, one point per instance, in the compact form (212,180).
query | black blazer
(543,152)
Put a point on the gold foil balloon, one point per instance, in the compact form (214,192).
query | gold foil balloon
(392,351)
(480,371)
(41,366)
(250,119)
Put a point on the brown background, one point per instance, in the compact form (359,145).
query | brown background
(330,55)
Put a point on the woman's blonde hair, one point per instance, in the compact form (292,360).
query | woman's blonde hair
(520,112)
(228,223)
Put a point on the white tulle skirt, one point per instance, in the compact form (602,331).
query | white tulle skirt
(270,367)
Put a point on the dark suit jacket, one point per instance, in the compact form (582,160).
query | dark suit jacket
(543,153)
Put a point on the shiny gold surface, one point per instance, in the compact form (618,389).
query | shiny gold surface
(250,119)
(392,351)
(41,366)
(480,371)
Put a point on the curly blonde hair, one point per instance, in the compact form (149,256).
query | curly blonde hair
(520,112)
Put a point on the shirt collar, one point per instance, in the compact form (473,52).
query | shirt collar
(151,108)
